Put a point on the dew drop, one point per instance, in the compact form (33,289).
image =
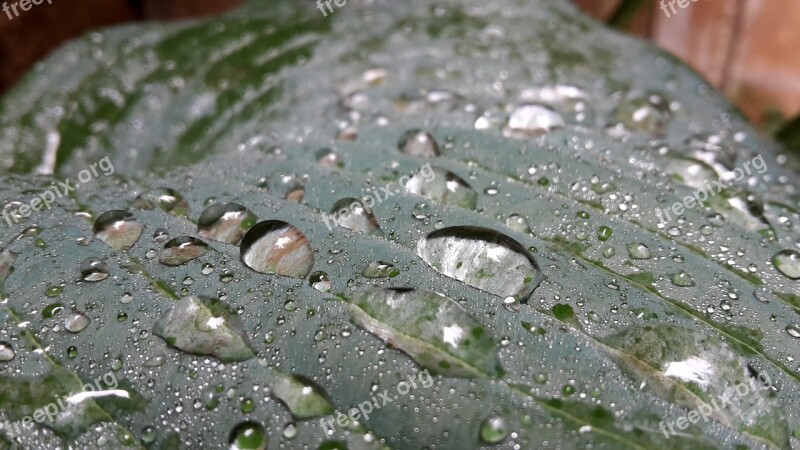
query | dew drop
(788,263)
(94,269)
(248,436)
(320,281)
(793,330)
(182,250)
(380,269)
(532,120)
(118,229)
(682,279)
(482,258)
(639,251)
(166,199)
(494,430)
(76,322)
(288,186)
(7,352)
(442,186)
(350,213)
(419,143)
(276,247)
(225,222)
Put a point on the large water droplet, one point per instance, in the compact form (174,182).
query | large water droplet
(442,186)
(419,143)
(431,328)
(350,213)
(181,250)
(225,222)
(794,330)
(532,120)
(788,263)
(166,199)
(320,281)
(276,247)
(204,327)
(482,258)
(118,229)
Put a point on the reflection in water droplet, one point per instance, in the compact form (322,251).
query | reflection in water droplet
(51,310)
(225,222)
(639,251)
(6,352)
(248,436)
(682,279)
(118,229)
(302,396)
(350,213)
(166,199)
(181,250)
(482,258)
(793,330)
(94,269)
(494,430)
(442,186)
(76,322)
(419,143)
(788,263)
(290,431)
(380,269)
(276,247)
(320,281)
(532,120)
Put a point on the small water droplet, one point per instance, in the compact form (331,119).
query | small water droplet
(419,143)
(248,436)
(94,269)
(494,430)
(442,186)
(532,120)
(182,250)
(639,251)
(166,199)
(320,281)
(76,322)
(682,279)
(350,213)
(7,352)
(380,269)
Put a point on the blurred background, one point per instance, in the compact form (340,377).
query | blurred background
(746,48)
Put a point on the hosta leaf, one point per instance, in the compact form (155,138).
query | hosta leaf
(516,158)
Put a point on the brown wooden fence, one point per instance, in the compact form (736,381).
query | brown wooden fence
(747,48)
